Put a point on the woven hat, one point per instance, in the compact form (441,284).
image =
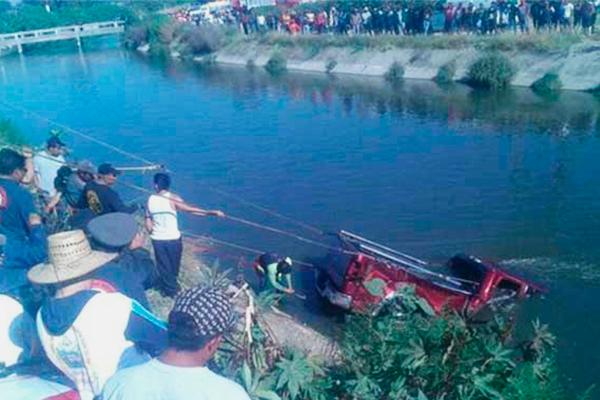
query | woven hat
(208,308)
(69,256)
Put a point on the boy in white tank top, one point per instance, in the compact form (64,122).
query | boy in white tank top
(161,222)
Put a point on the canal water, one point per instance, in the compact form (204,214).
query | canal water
(432,171)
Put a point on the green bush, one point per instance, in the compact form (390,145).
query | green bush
(547,84)
(395,73)
(10,134)
(203,39)
(493,71)
(446,73)
(330,66)
(151,31)
(276,64)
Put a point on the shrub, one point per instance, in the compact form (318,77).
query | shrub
(10,134)
(203,39)
(135,36)
(330,66)
(395,73)
(547,84)
(493,71)
(446,73)
(276,64)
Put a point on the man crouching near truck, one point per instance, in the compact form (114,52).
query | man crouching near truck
(274,272)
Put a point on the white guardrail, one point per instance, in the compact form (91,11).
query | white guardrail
(61,33)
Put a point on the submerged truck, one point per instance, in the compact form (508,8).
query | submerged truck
(363,273)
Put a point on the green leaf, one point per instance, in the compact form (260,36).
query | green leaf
(375,287)
(425,307)
(246,376)
(267,395)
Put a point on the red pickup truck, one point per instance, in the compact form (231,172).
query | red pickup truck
(364,273)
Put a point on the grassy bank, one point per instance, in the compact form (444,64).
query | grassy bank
(536,42)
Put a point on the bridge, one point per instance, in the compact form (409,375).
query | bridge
(76,32)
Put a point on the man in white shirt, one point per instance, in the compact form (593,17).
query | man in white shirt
(161,222)
(197,323)
(47,163)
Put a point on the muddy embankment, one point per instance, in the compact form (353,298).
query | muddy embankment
(577,66)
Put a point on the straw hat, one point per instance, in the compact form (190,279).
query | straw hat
(69,256)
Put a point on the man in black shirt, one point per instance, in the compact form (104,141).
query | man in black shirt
(100,198)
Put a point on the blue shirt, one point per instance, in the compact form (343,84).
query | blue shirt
(16,205)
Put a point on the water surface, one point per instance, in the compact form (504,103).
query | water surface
(429,170)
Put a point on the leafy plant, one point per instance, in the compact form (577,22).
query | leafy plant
(297,376)
(10,134)
(203,39)
(405,352)
(215,277)
(492,71)
(257,384)
(395,73)
(446,73)
(277,64)
(330,66)
(548,84)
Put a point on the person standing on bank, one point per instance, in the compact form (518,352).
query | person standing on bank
(46,165)
(20,223)
(161,222)
(100,197)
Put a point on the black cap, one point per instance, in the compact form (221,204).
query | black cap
(112,231)
(108,169)
(54,141)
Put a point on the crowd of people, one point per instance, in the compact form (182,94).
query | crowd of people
(75,300)
(413,18)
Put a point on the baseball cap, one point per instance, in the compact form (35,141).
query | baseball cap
(54,141)
(108,169)
(201,312)
(86,166)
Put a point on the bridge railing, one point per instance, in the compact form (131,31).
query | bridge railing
(61,33)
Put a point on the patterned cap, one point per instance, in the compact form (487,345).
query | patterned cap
(208,308)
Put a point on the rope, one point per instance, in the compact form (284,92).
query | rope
(148,162)
(268,211)
(251,223)
(285,233)
(251,250)
(231,218)
(78,133)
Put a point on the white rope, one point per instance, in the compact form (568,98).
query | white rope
(153,164)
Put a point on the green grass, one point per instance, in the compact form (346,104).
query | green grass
(446,73)
(538,42)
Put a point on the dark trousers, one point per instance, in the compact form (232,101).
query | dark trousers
(168,260)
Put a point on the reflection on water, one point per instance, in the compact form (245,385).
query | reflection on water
(570,113)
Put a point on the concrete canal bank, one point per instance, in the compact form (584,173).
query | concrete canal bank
(577,66)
